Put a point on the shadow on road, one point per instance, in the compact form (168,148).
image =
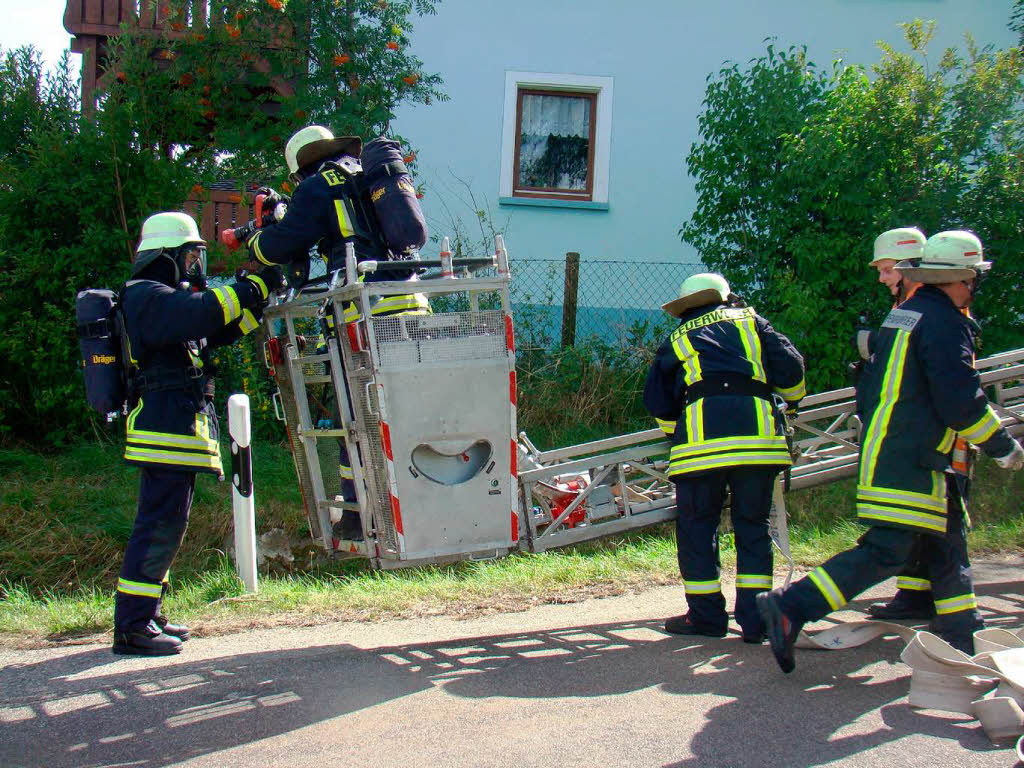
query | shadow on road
(86,709)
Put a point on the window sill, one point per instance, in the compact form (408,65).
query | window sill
(547,202)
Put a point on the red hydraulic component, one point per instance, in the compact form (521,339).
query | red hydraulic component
(272,355)
(356,333)
(570,490)
(235,238)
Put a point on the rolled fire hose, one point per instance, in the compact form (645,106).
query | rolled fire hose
(988,686)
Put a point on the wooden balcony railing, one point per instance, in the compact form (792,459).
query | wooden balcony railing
(92,22)
(218,210)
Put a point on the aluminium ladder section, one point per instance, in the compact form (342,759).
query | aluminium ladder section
(314,450)
(630,470)
(362,425)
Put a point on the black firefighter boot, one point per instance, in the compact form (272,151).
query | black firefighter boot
(904,605)
(349,527)
(147,641)
(685,625)
(179,631)
(781,630)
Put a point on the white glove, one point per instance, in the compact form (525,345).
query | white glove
(1014,460)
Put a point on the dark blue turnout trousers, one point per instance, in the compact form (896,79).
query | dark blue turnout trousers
(165,498)
(882,552)
(699,499)
(912,584)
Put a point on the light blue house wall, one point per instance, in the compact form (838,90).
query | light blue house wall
(658,53)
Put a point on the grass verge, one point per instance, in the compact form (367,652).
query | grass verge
(64,521)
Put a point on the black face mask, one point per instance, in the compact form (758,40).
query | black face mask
(194,274)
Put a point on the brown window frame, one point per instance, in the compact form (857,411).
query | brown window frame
(555,193)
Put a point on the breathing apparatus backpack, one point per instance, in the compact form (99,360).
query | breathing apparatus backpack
(101,340)
(388,221)
(399,218)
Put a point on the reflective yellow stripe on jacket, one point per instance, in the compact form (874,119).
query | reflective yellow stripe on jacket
(728,452)
(198,451)
(228,300)
(983,428)
(699,453)
(794,393)
(248,323)
(666,426)
(402,304)
(880,504)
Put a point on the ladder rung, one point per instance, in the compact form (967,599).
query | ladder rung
(347,505)
(318,433)
(309,359)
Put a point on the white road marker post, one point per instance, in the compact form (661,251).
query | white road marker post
(242,501)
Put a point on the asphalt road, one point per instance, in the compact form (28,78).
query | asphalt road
(592,683)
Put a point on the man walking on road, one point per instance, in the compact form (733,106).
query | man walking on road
(918,392)
(913,598)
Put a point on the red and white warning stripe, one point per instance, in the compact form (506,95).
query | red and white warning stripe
(385,437)
(510,345)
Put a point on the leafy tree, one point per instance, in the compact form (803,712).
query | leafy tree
(833,161)
(177,112)
(343,64)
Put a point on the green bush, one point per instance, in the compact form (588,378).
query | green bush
(74,194)
(798,171)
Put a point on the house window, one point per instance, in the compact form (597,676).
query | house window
(554,154)
(556,140)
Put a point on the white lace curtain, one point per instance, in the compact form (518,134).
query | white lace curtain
(551,153)
(558,115)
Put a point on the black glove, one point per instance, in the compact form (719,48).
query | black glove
(268,281)
(273,197)
(271,194)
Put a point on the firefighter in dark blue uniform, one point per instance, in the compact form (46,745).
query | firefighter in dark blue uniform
(913,598)
(327,212)
(919,392)
(172,429)
(711,389)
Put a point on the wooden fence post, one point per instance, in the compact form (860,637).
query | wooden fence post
(569,296)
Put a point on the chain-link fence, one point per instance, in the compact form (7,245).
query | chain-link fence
(557,302)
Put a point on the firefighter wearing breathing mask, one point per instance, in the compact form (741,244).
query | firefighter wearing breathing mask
(919,391)
(170,324)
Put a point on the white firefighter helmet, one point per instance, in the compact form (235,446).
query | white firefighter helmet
(315,143)
(948,257)
(168,230)
(898,245)
(698,290)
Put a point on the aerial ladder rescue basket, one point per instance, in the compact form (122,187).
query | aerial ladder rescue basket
(425,402)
